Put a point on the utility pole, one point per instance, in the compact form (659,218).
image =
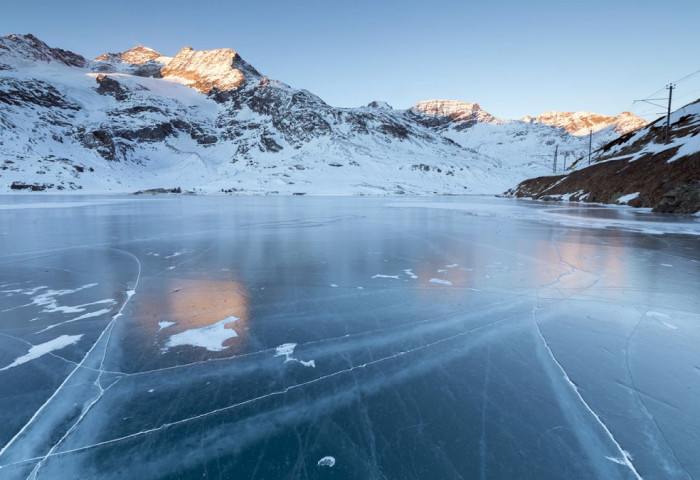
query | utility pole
(556,149)
(669,87)
(590,144)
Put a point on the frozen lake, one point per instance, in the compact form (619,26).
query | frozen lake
(299,337)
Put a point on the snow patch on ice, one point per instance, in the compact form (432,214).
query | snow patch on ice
(386,276)
(42,349)
(48,301)
(440,281)
(409,272)
(326,462)
(164,324)
(287,349)
(210,337)
(178,253)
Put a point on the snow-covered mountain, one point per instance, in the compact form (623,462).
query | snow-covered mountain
(209,121)
(526,144)
(581,123)
(638,169)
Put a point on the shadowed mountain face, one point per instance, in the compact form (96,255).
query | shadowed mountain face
(209,121)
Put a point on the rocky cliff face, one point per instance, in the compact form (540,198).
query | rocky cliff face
(209,121)
(205,70)
(638,169)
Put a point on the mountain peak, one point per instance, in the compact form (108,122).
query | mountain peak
(205,70)
(26,49)
(380,105)
(455,110)
(136,56)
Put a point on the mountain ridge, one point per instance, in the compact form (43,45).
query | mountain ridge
(211,122)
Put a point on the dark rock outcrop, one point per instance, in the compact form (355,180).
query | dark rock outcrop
(109,86)
(682,199)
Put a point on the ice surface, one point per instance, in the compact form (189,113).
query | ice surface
(562,347)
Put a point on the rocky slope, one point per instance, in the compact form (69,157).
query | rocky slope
(638,169)
(208,121)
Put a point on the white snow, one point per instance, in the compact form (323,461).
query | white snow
(489,157)
(287,349)
(440,281)
(627,198)
(211,337)
(326,462)
(177,254)
(48,299)
(396,277)
(164,324)
(409,272)
(42,349)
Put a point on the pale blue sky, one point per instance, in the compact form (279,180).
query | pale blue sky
(512,57)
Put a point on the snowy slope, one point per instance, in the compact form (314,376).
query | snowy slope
(210,122)
(525,144)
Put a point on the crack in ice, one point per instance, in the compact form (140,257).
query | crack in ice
(108,330)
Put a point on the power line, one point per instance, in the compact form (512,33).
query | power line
(651,95)
(688,94)
(687,76)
